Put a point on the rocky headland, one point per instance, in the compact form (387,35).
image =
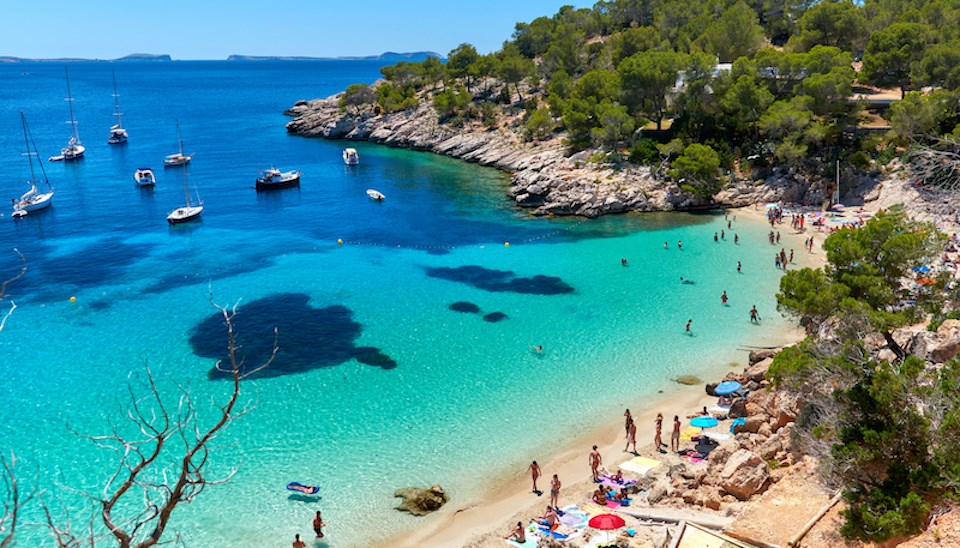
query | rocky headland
(545,177)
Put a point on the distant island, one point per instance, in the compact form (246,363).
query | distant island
(131,57)
(416,56)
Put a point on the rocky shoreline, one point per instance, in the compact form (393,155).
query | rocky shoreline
(544,177)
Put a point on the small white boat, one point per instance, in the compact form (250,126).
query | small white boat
(74,149)
(189,211)
(375,194)
(179,158)
(144,177)
(32,199)
(351,157)
(274,178)
(118,135)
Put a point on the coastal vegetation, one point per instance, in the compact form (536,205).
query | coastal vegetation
(883,423)
(706,92)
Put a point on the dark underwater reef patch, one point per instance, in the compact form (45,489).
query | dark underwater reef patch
(495,317)
(501,280)
(465,307)
(309,338)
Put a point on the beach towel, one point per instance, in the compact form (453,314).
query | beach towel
(613,484)
(532,539)
(737,422)
(640,465)
(573,516)
(688,433)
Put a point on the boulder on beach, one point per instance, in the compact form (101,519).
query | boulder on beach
(419,501)
(744,474)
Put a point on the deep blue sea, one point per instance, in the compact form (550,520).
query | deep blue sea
(378,384)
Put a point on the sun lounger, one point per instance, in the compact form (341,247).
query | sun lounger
(640,465)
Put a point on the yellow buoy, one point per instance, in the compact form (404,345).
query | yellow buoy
(506,244)
(339,241)
(73,299)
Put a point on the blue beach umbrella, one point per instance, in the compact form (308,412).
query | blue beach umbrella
(727,387)
(704,421)
(922,269)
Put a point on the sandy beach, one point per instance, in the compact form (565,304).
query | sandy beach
(485,520)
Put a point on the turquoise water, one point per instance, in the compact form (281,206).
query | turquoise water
(450,398)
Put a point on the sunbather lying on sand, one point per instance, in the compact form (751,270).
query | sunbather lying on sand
(703,413)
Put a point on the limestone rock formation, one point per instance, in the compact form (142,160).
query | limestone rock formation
(744,474)
(419,501)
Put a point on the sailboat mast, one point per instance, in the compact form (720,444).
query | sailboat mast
(26,143)
(179,139)
(186,187)
(116,101)
(73,121)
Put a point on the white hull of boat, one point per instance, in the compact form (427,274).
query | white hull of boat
(273,178)
(118,136)
(145,177)
(69,154)
(351,157)
(184,214)
(375,194)
(35,202)
(176,160)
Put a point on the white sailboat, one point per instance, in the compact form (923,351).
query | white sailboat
(74,149)
(188,212)
(32,199)
(351,157)
(178,159)
(118,135)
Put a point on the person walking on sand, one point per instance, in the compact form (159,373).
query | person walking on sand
(657,441)
(554,490)
(595,462)
(318,525)
(297,543)
(631,438)
(627,421)
(534,469)
(754,315)
(791,256)
(675,435)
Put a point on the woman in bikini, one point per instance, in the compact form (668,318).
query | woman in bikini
(534,469)
(554,490)
(657,442)
(675,436)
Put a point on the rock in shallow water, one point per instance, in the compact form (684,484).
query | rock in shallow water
(495,317)
(419,501)
(465,307)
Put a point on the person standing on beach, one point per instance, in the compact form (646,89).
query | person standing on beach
(631,437)
(627,421)
(297,543)
(736,238)
(534,469)
(318,525)
(595,462)
(657,442)
(791,255)
(675,436)
(554,490)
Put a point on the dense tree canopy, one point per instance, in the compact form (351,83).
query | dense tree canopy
(771,81)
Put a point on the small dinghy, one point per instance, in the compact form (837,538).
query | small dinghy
(375,194)
(144,177)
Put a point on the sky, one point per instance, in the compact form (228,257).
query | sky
(210,29)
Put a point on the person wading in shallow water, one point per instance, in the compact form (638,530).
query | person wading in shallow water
(297,543)
(318,525)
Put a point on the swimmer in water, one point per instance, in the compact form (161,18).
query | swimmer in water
(739,266)
(736,238)
(715,237)
(679,244)
(686,281)
(623,262)
(754,315)
(665,245)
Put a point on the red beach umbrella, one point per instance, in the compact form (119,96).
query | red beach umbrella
(606,522)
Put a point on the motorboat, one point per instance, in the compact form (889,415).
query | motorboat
(375,194)
(189,211)
(274,178)
(179,158)
(351,157)
(74,149)
(33,199)
(144,177)
(118,135)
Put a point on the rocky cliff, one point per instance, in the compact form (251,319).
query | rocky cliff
(545,177)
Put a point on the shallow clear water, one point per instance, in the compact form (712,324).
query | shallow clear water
(467,399)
